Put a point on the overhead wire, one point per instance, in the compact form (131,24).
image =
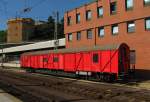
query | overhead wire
(29,9)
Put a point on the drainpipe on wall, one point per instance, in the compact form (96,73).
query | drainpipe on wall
(95,37)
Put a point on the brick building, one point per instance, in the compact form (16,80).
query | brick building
(111,22)
(19,30)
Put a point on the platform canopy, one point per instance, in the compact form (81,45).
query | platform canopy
(35,46)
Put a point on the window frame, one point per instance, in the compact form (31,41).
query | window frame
(55,59)
(146,4)
(129,8)
(87,15)
(77,19)
(70,39)
(95,58)
(45,60)
(130,22)
(147,29)
(113,12)
(98,13)
(69,22)
(89,37)
(78,38)
(100,28)
(112,29)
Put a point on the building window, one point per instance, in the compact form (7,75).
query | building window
(147,24)
(115,29)
(88,15)
(146,2)
(131,27)
(100,11)
(113,8)
(101,31)
(78,35)
(95,58)
(89,34)
(78,18)
(133,57)
(69,20)
(70,37)
(129,4)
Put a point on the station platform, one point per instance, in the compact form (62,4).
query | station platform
(16,65)
(5,97)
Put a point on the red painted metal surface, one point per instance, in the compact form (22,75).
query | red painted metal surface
(40,61)
(69,62)
(107,62)
(61,62)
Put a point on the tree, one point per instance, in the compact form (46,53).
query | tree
(46,31)
(3,35)
(61,29)
(51,20)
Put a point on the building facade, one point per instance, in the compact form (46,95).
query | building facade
(111,22)
(19,30)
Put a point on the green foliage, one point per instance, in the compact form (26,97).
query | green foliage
(3,35)
(51,20)
(61,29)
(46,31)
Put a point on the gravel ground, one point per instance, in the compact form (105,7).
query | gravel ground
(45,88)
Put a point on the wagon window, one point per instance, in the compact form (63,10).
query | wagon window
(55,59)
(95,58)
(45,60)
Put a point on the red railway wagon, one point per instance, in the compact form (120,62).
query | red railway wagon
(110,60)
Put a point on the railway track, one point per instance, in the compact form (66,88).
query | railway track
(37,88)
(32,91)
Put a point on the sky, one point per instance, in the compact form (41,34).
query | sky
(41,9)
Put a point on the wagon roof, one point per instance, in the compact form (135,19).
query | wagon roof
(72,50)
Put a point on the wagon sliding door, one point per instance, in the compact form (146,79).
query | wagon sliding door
(58,61)
(69,62)
(79,62)
(61,61)
(95,61)
(109,61)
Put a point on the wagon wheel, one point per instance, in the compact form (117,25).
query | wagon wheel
(98,76)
